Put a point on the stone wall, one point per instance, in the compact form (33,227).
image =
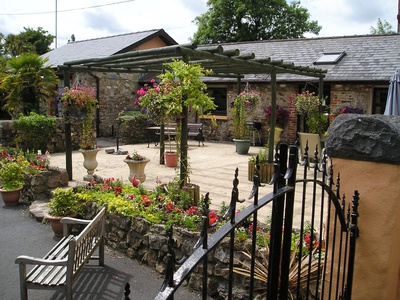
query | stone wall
(147,243)
(57,142)
(117,93)
(40,186)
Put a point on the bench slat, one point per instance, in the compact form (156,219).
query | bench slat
(60,251)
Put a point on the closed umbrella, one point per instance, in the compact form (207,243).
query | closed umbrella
(393,99)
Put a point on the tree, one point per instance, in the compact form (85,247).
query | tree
(382,28)
(29,41)
(251,20)
(28,84)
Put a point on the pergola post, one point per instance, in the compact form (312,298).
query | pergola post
(271,137)
(67,128)
(184,138)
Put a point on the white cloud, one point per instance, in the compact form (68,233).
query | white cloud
(350,17)
(337,17)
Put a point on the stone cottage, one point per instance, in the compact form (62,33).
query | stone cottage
(115,91)
(358,70)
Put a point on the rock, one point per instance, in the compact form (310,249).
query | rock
(373,138)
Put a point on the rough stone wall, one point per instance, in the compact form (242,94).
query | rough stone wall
(40,185)
(147,243)
(57,142)
(117,93)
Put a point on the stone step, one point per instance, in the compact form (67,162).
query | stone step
(38,208)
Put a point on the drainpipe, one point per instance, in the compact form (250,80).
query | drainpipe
(98,100)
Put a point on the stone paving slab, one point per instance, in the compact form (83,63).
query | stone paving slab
(212,167)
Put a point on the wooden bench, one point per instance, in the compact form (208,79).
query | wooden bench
(59,268)
(195,130)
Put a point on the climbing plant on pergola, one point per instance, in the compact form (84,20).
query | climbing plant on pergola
(223,63)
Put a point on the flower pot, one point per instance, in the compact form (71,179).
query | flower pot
(136,167)
(11,197)
(56,225)
(89,162)
(171,159)
(242,146)
(266,172)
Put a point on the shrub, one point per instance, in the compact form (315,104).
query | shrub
(35,131)
(64,203)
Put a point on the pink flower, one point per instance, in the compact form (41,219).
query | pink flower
(192,211)
(135,182)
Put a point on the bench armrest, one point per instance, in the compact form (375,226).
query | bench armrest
(30,260)
(69,220)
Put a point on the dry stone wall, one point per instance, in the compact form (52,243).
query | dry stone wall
(147,243)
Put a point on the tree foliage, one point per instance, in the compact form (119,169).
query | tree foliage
(28,84)
(382,27)
(28,41)
(251,20)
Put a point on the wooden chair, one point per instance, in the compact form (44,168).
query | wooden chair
(314,143)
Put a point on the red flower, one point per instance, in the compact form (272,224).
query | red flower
(212,218)
(170,206)
(117,190)
(145,200)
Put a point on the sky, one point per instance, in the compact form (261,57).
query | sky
(88,19)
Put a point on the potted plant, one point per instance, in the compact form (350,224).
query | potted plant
(242,110)
(64,203)
(311,107)
(136,164)
(12,181)
(179,90)
(79,102)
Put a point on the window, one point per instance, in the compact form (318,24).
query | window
(330,58)
(220,96)
(379,101)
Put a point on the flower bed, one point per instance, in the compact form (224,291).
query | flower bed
(138,220)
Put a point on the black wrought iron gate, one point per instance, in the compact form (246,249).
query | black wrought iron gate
(311,244)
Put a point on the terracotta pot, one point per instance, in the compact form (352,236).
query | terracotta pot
(171,159)
(89,162)
(11,197)
(56,225)
(136,167)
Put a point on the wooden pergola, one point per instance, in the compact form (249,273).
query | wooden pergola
(224,64)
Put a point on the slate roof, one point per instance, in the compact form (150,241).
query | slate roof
(368,57)
(105,46)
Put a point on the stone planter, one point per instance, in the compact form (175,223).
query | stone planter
(242,146)
(89,162)
(266,172)
(136,167)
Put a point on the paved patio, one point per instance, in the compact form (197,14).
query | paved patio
(212,167)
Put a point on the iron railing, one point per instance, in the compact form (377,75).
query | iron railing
(319,266)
